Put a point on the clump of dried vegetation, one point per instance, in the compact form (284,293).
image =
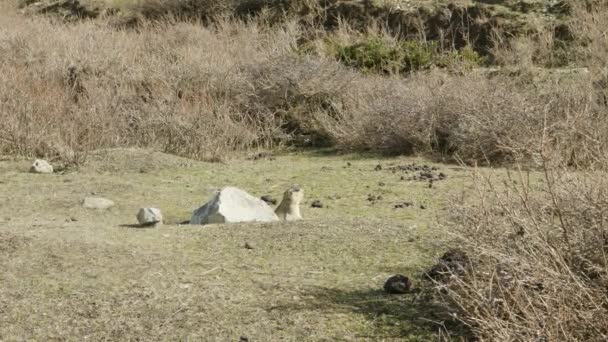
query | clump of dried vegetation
(204,90)
(538,245)
(540,270)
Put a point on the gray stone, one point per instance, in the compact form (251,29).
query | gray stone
(41,166)
(233,205)
(149,216)
(97,203)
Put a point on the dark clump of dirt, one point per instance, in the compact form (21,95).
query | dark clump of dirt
(403,205)
(454,262)
(316,204)
(398,284)
(373,198)
(262,156)
(269,199)
(421,173)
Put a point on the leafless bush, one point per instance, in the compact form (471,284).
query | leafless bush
(539,242)
(181,88)
(539,249)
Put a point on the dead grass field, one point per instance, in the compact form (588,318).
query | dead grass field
(73,274)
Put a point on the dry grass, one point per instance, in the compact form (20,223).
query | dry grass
(181,88)
(70,274)
(538,246)
(204,92)
(539,254)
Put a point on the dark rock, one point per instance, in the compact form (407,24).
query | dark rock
(349,164)
(316,204)
(248,246)
(243,339)
(381,184)
(422,207)
(398,284)
(378,168)
(268,199)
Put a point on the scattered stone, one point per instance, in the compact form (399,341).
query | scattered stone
(41,166)
(398,284)
(98,203)
(381,184)
(316,204)
(149,216)
(430,184)
(349,164)
(248,246)
(378,168)
(233,205)
(289,209)
(73,219)
(268,199)
(243,339)
(422,206)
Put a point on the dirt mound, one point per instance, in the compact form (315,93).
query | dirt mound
(454,262)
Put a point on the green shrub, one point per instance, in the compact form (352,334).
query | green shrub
(381,56)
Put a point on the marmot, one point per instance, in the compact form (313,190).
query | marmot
(289,209)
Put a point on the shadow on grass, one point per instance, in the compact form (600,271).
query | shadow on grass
(411,317)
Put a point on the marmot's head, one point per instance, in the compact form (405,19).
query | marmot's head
(293,195)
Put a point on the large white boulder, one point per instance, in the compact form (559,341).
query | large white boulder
(149,216)
(98,203)
(233,205)
(41,166)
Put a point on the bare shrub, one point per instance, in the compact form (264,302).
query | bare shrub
(180,88)
(539,242)
(539,249)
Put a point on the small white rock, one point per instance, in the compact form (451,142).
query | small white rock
(41,166)
(97,203)
(149,216)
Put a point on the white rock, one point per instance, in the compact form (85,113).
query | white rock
(97,203)
(41,166)
(149,216)
(233,205)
